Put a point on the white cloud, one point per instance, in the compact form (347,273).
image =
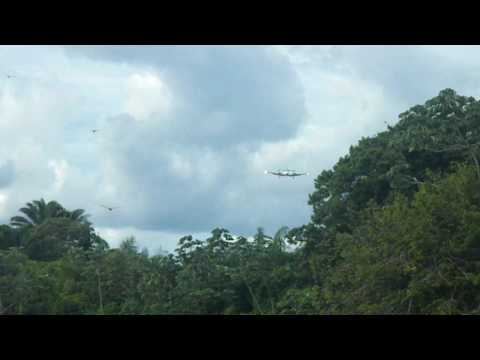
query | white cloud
(181,166)
(3,204)
(147,94)
(60,169)
(152,240)
(341,108)
(186,132)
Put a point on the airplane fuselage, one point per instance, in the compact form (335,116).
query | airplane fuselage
(286,173)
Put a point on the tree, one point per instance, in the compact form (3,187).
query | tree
(52,238)
(38,211)
(8,237)
(432,136)
(418,256)
(129,245)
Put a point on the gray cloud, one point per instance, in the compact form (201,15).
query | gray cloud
(413,73)
(178,185)
(178,166)
(7,173)
(231,101)
(187,131)
(225,94)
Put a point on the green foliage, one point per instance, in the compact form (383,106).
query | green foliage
(419,256)
(9,237)
(306,301)
(53,237)
(39,211)
(430,137)
(395,228)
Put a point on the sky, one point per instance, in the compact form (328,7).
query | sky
(186,132)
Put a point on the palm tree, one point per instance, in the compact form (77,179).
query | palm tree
(279,237)
(281,233)
(77,215)
(38,211)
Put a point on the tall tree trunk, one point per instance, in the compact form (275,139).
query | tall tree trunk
(475,160)
(99,286)
(254,298)
(410,306)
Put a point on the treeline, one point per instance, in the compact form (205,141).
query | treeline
(219,275)
(395,229)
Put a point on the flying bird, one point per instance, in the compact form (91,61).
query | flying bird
(109,208)
(287,172)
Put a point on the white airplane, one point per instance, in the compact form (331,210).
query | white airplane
(287,172)
(94,131)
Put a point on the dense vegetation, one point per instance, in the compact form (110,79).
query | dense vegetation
(395,229)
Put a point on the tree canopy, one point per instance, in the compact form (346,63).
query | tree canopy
(395,229)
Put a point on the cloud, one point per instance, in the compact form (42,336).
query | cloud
(187,131)
(179,169)
(3,204)
(60,169)
(409,74)
(157,242)
(223,94)
(147,96)
(7,173)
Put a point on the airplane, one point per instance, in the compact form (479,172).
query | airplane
(287,172)
(9,76)
(109,208)
(94,131)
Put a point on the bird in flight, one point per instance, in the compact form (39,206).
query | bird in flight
(109,208)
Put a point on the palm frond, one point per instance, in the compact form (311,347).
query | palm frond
(20,221)
(31,214)
(54,209)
